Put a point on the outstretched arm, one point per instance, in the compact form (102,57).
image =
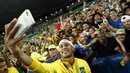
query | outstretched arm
(12,42)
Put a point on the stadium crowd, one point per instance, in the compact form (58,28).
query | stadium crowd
(94,40)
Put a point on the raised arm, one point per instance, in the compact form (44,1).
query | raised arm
(12,43)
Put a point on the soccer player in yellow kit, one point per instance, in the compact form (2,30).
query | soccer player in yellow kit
(67,64)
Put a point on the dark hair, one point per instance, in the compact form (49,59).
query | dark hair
(78,13)
(70,13)
(128,7)
(70,35)
(113,10)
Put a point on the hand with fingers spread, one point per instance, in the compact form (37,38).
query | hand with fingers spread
(9,37)
(13,44)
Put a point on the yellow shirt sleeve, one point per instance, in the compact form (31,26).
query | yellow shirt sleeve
(58,67)
(38,67)
(12,70)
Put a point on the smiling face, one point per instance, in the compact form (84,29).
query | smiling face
(72,17)
(53,53)
(78,16)
(127,11)
(74,32)
(66,50)
(91,31)
(97,18)
(83,39)
(101,36)
(100,9)
(86,27)
(113,15)
(3,67)
(127,24)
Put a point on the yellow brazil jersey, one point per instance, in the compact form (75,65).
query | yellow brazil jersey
(12,70)
(49,39)
(79,66)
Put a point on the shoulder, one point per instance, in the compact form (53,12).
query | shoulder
(57,61)
(80,60)
(81,63)
(12,70)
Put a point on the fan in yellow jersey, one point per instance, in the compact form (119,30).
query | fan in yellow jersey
(4,68)
(67,64)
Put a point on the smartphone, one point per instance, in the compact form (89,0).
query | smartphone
(25,21)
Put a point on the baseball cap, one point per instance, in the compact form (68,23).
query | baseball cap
(125,18)
(51,46)
(120,31)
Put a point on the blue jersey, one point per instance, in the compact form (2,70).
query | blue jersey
(118,24)
(83,51)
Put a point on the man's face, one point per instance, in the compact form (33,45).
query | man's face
(66,50)
(78,17)
(97,18)
(100,9)
(127,24)
(74,31)
(101,37)
(113,15)
(121,37)
(83,39)
(106,13)
(103,26)
(72,16)
(91,31)
(53,53)
(3,67)
(128,11)
(89,15)
(85,27)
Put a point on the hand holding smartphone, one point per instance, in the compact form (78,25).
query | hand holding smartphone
(25,21)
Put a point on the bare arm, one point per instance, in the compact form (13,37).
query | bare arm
(92,42)
(112,29)
(121,45)
(105,21)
